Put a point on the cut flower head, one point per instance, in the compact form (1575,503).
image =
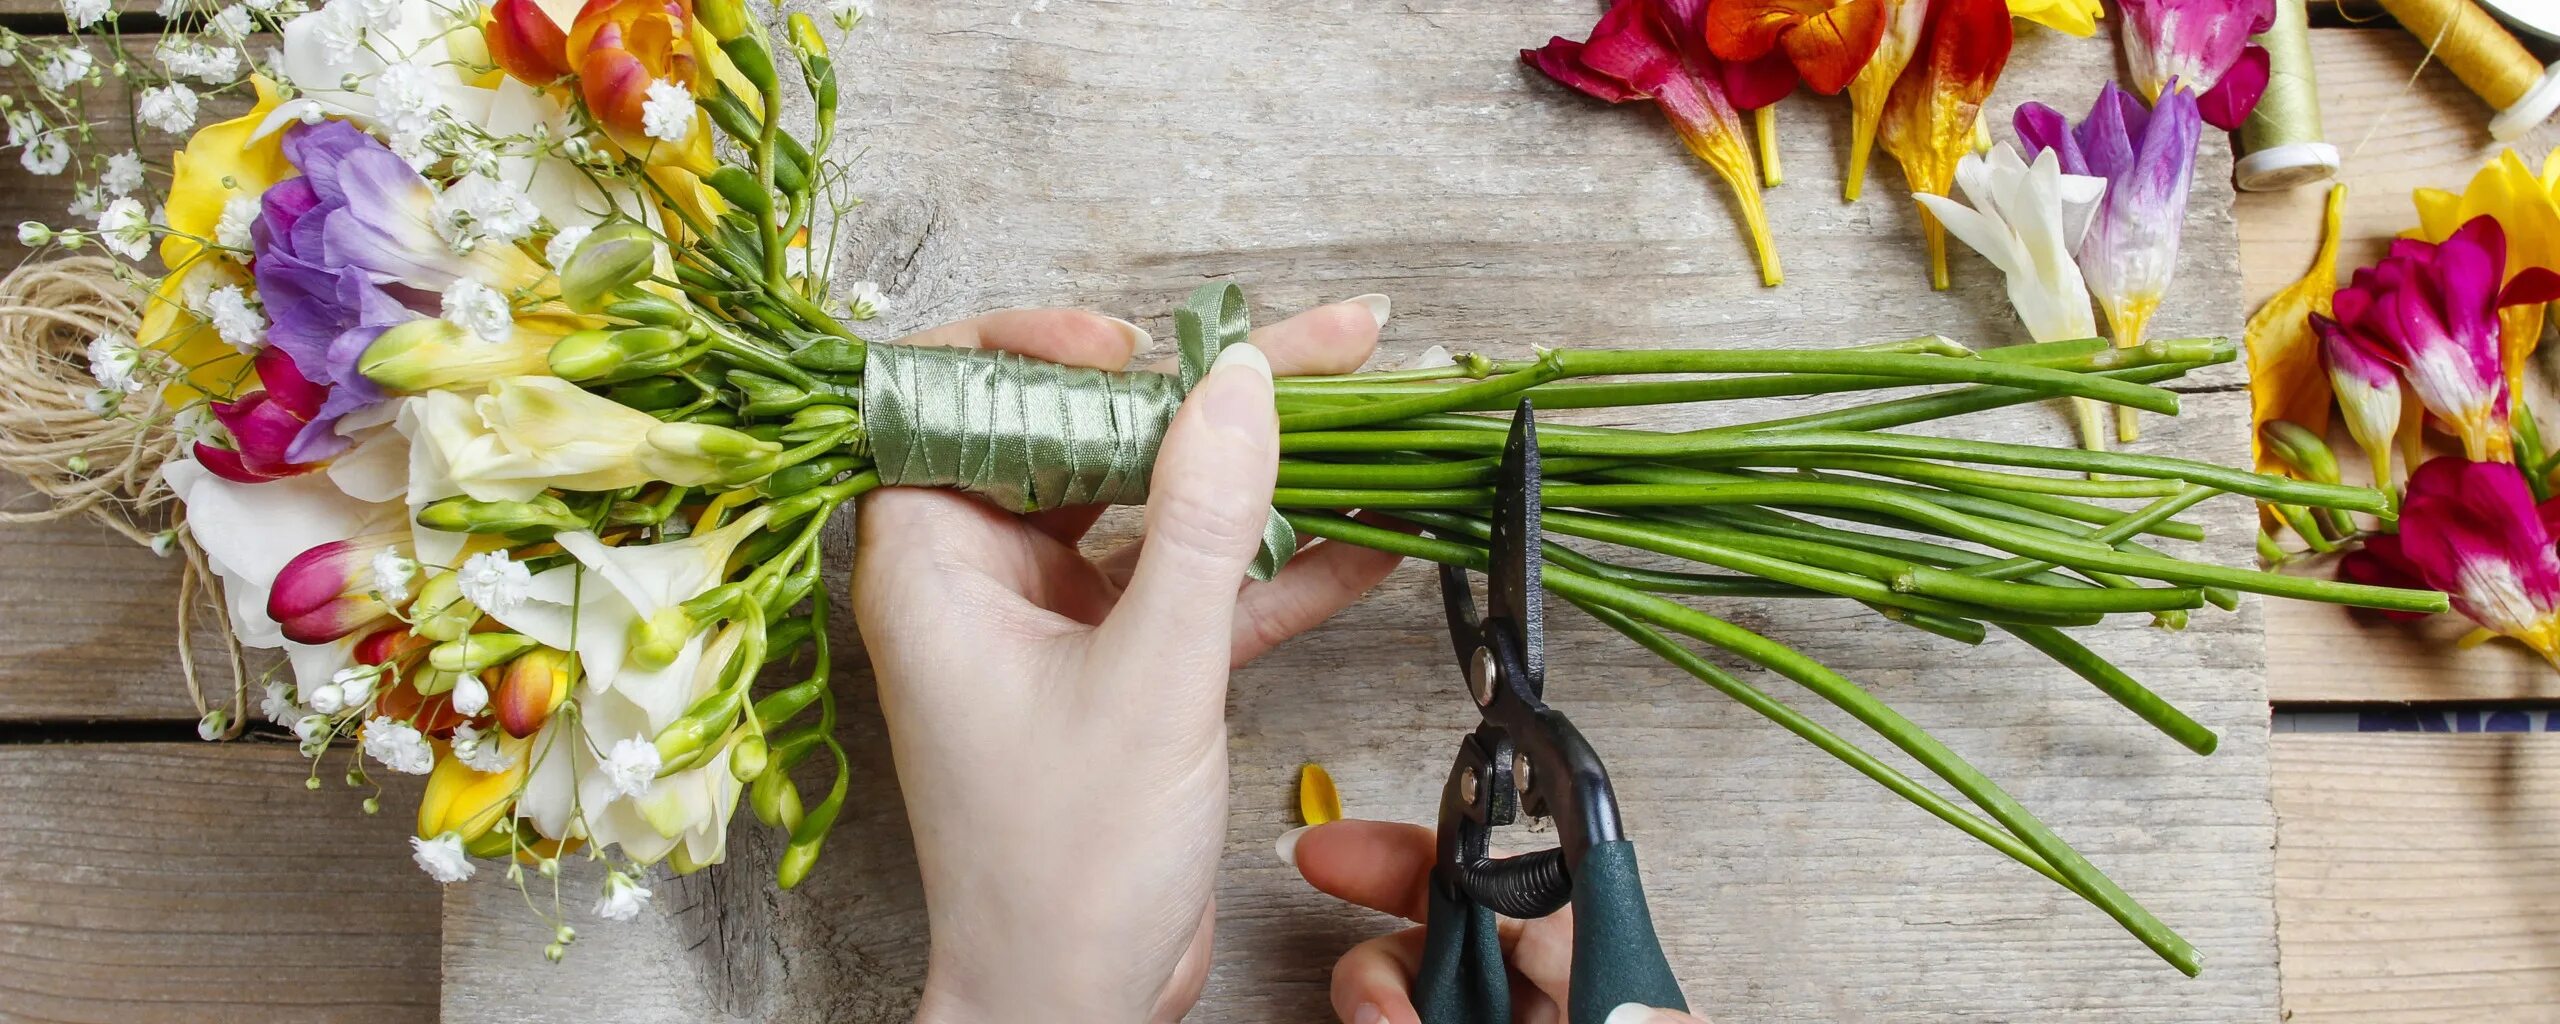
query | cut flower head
(2028,220)
(2202,46)
(1929,119)
(2471,529)
(2431,310)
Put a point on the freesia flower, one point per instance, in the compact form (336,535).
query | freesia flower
(264,423)
(431,354)
(1822,42)
(2524,207)
(1656,50)
(526,40)
(622,47)
(1873,85)
(328,592)
(339,43)
(2431,311)
(1929,119)
(221,163)
(2202,45)
(2367,386)
(2471,530)
(532,433)
(2070,17)
(2148,158)
(2287,379)
(248,532)
(2028,220)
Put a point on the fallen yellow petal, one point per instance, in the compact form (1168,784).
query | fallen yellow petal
(2286,379)
(1318,801)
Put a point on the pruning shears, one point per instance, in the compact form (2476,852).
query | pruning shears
(1526,757)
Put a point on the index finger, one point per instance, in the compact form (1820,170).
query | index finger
(1072,337)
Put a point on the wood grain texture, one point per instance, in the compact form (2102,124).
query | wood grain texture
(185,882)
(2400,128)
(1114,156)
(2413,879)
(87,619)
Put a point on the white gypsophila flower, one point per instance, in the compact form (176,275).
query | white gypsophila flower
(170,9)
(495,583)
(631,766)
(623,898)
(170,108)
(84,13)
(69,64)
(86,203)
(392,571)
(355,684)
(279,706)
(398,745)
(25,126)
(33,234)
(481,310)
(406,107)
(240,324)
(667,115)
(864,301)
(232,230)
(196,59)
(113,360)
(8,56)
(479,751)
(46,156)
(195,423)
(233,23)
(123,173)
(102,404)
(311,728)
(326,698)
(164,542)
(480,208)
(563,245)
(442,857)
(849,13)
(470,695)
(125,229)
(261,6)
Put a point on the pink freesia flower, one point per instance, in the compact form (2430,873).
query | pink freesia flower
(2204,46)
(2367,388)
(264,423)
(2431,310)
(2471,530)
(1657,50)
(329,592)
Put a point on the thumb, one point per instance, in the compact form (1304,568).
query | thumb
(1638,1013)
(1206,506)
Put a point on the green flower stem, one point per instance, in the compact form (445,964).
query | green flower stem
(1893,367)
(2111,534)
(2039,511)
(1474,365)
(1902,412)
(1942,475)
(2113,682)
(1497,390)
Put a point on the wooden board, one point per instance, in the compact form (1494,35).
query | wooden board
(187,882)
(2397,133)
(1115,156)
(2413,877)
(88,619)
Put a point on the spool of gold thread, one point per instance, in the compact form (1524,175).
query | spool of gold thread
(2280,144)
(2480,52)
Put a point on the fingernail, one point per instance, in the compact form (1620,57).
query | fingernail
(1138,337)
(1242,354)
(1287,845)
(1379,306)
(1368,1013)
(1635,1013)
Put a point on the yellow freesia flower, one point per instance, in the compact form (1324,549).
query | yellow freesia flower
(221,161)
(2286,378)
(464,800)
(2523,204)
(2072,17)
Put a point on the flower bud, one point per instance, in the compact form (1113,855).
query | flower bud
(213,725)
(805,37)
(525,42)
(327,592)
(426,354)
(695,454)
(658,639)
(775,801)
(651,310)
(478,651)
(797,859)
(611,258)
(33,235)
(531,687)
(2303,450)
(726,19)
(430,681)
(544,514)
(465,801)
(440,612)
(388,645)
(748,759)
(612,355)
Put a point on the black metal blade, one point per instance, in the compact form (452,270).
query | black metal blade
(1513,584)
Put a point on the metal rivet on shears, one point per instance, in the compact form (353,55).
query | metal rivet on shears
(1467,789)
(1520,771)
(1481,674)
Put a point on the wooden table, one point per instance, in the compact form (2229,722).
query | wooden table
(145,876)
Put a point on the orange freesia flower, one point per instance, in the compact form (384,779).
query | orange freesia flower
(2505,189)
(1929,119)
(1656,50)
(526,41)
(1873,84)
(620,48)
(1823,42)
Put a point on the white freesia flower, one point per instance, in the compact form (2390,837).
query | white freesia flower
(249,531)
(399,746)
(355,40)
(525,435)
(442,857)
(2028,221)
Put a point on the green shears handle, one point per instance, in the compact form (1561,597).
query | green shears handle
(1616,957)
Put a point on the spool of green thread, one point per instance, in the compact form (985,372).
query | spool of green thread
(2280,144)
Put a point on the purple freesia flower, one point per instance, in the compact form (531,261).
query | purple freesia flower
(2204,45)
(2148,158)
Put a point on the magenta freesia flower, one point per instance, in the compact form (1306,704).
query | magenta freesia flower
(328,592)
(2431,311)
(2367,387)
(2470,529)
(2148,157)
(2202,45)
(264,423)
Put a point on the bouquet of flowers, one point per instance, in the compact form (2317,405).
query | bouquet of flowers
(514,407)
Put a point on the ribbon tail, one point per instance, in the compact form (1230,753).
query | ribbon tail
(1213,318)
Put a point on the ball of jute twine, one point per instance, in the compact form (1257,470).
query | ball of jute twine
(78,463)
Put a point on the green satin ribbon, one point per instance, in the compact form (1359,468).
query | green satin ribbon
(1028,434)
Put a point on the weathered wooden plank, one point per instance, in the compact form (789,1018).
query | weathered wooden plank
(1114,156)
(89,621)
(2413,879)
(2397,134)
(142,883)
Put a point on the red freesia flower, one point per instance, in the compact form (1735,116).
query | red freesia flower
(1770,44)
(1656,50)
(1929,118)
(327,592)
(264,423)
(525,38)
